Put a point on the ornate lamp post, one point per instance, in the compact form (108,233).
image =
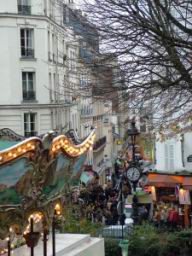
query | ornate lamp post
(134,171)
(133,133)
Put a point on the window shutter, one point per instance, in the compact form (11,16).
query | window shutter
(166,157)
(171,157)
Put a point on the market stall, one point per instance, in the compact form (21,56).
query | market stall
(172,191)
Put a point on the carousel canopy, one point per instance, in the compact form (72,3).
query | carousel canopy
(4,144)
(36,168)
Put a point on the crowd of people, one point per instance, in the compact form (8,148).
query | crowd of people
(100,204)
(166,216)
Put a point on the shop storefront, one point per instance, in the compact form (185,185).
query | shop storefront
(170,191)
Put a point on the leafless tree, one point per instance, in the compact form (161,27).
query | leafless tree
(153,42)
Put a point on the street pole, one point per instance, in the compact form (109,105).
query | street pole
(133,150)
(134,205)
(121,208)
(134,170)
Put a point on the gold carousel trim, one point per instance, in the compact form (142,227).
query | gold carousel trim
(61,142)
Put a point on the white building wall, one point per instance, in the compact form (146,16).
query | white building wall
(49,75)
(14,119)
(187,150)
(8,6)
(169,155)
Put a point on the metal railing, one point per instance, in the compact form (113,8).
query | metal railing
(99,143)
(30,134)
(29,95)
(27,53)
(115,231)
(24,9)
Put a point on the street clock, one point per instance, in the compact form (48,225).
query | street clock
(133,174)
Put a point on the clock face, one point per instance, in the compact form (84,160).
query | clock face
(133,174)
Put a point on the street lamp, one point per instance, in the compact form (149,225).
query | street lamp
(124,242)
(134,172)
(133,133)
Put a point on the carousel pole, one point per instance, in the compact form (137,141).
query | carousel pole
(45,242)
(9,246)
(53,236)
(57,213)
(31,224)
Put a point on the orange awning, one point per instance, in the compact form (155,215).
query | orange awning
(163,180)
(187,183)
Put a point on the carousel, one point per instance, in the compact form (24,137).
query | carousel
(34,175)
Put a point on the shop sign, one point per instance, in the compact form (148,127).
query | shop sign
(189,158)
(184,196)
(119,142)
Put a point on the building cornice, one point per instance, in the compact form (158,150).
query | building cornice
(33,17)
(35,106)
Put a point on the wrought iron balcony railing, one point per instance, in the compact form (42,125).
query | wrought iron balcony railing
(24,9)
(30,134)
(27,53)
(99,143)
(29,95)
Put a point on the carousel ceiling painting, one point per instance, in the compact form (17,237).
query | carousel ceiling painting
(34,173)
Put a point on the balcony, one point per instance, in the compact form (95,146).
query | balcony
(86,112)
(24,9)
(99,144)
(27,53)
(30,134)
(29,95)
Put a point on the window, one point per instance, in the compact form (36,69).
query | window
(51,8)
(65,14)
(27,42)
(50,87)
(169,157)
(30,124)
(24,7)
(28,85)
(54,86)
(49,47)
(83,80)
(54,47)
(72,64)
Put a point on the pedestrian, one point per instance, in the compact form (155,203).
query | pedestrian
(122,219)
(113,179)
(156,217)
(175,218)
(163,217)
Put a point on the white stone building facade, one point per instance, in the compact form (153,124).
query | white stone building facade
(36,58)
(45,82)
(174,153)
